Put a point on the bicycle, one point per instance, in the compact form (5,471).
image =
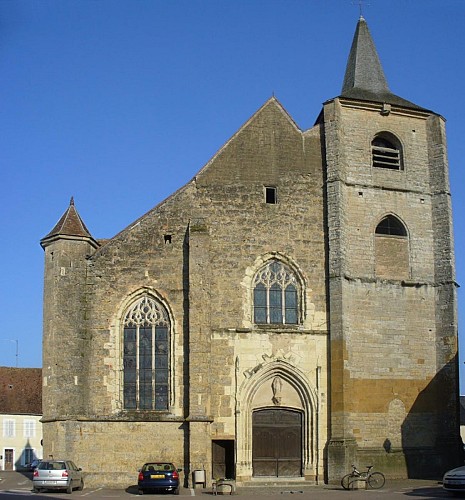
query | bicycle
(374,480)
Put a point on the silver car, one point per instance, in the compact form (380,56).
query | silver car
(454,480)
(57,475)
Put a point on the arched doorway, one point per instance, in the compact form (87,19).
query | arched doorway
(277,443)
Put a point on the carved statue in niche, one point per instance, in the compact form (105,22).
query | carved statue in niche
(276,387)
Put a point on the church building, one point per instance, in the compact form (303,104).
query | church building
(288,312)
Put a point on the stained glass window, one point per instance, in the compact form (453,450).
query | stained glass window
(275,295)
(146,356)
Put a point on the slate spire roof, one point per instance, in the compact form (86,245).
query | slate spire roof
(364,78)
(70,226)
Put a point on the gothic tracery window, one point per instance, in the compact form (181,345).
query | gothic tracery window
(146,354)
(275,295)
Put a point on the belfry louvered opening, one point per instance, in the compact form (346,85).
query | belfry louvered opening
(386,152)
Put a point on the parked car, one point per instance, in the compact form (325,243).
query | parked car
(454,480)
(32,465)
(57,475)
(158,476)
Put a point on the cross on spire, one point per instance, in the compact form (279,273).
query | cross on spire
(360,4)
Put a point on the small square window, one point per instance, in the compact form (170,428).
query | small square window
(271,195)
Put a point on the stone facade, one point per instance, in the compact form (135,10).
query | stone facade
(368,365)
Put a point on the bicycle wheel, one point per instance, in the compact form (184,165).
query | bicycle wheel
(376,480)
(346,480)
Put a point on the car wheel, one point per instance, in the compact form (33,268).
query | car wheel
(69,488)
(81,485)
(141,492)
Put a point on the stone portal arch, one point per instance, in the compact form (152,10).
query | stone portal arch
(273,396)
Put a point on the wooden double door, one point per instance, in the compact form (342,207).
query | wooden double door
(277,443)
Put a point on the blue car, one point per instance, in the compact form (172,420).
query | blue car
(158,476)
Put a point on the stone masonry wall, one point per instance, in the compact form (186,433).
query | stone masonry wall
(197,253)
(384,330)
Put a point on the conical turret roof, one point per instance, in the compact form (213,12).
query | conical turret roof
(364,77)
(70,226)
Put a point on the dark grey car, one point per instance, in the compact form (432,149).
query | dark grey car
(57,475)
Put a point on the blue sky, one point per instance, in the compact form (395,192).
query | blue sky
(120,102)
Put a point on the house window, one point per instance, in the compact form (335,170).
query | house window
(29,428)
(8,428)
(29,455)
(275,295)
(146,354)
(271,195)
(386,152)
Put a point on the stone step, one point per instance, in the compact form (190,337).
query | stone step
(287,483)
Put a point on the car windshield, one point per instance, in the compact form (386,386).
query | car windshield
(51,466)
(157,467)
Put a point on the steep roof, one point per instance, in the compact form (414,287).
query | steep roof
(364,77)
(69,226)
(20,390)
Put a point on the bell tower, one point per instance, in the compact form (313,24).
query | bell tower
(391,278)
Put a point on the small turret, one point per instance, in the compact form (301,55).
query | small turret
(67,247)
(71,227)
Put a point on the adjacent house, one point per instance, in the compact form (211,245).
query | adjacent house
(20,414)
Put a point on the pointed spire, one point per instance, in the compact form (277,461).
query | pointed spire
(70,226)
(364,69)
(364,77)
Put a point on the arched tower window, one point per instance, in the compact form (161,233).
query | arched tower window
(146,354)
(275,295)
(386,151)
(391,226)
(391,249)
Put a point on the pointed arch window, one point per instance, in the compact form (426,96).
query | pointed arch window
(391,226)
(275,295)
(386,152)
(146,355)
(392,259)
